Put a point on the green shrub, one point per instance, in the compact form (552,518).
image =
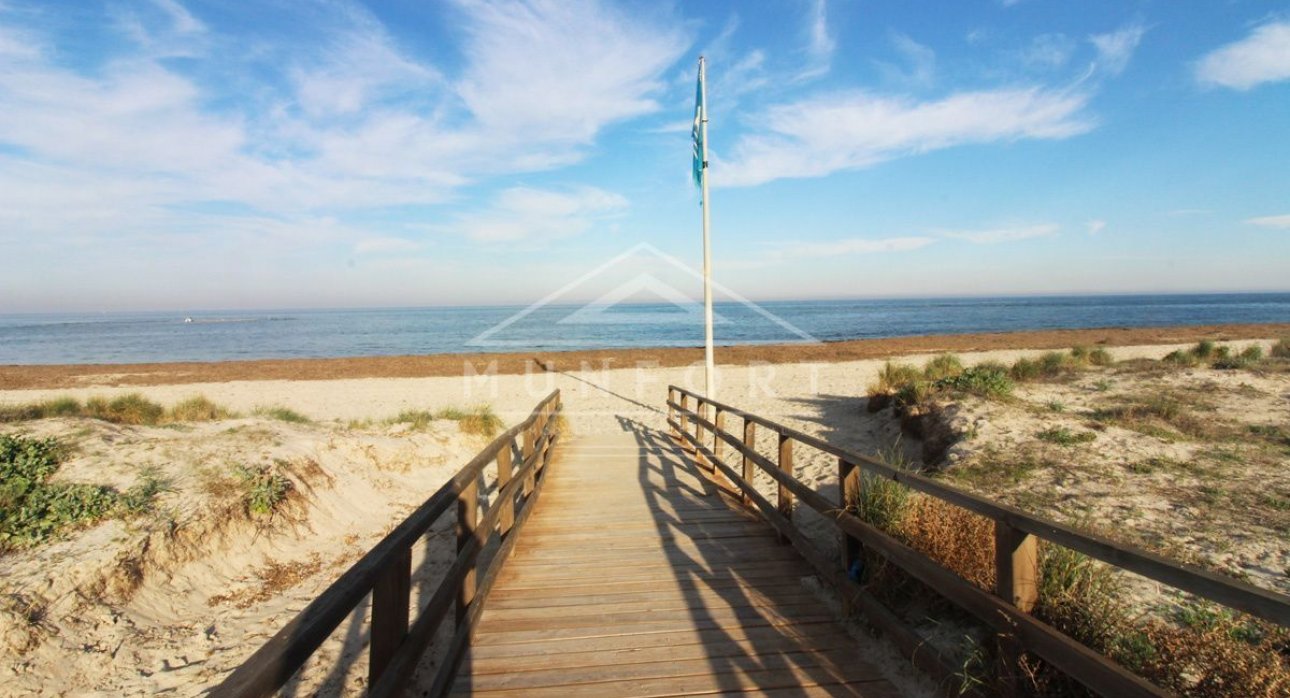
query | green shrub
(1281,350)
(1053,364)
(1181,358)
(1203,349)
(987,380)
(1100,357)
(942,367)
(478,420)
(1024,370)
(1079,354)
(915,392)
(1253,352)
(264,488)
(893,377)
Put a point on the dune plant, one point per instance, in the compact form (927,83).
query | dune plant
(282,414)
(942,367)
(197,409)
(133,409)
(33,509)
(264,488)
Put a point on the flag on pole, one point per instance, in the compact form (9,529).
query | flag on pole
(696,133)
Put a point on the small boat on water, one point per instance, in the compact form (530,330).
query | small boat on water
(188,321)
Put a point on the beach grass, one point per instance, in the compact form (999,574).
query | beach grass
(132,409)
(282,414)
(480,420)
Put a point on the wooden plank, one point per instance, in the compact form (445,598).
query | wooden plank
(562,597)
(709,677)
(467,517)
(716,645)
(652,605)
(824,666)
(799,634)
(488,634)
(725,614)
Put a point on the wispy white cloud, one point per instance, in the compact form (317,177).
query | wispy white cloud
(1115,49)
(820,44)
(821,135)
(1271,221)
(1263,56)
(918,62)
(561,70)
(1048,51)
(523,213)
(997,235)
(349,122)
(1095,226)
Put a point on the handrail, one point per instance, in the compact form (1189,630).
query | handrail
(385,572)
(1007,609)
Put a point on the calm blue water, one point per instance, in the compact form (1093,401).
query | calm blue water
(213,336)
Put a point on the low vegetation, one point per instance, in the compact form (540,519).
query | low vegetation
(1214,463)
(1206,653)
(133,409)
(34,508)
(479,420)
(263,488)
(282,414)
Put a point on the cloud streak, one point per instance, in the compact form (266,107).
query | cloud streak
(1261,57)
(1281,222)
(994,236)
(818,136)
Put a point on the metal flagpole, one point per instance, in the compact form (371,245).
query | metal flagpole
(709,373)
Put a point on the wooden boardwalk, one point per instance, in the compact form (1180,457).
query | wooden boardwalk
(636,577)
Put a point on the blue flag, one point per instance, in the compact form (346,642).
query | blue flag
(697,132)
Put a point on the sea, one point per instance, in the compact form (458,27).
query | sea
(141,337)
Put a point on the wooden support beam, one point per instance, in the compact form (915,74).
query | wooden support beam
(848,545)
(785,503)
(467,517)
(504,467)
(750,441)
(390,601)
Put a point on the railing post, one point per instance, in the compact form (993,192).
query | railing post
(701,406)
(718,443)
(750,442)
(682,418)
(785,505)
(849,546)
(525,452)
(1016,581)
(506,518)
(467,517)
(390,597)
(671,412)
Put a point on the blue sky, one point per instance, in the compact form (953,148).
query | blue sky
(170,154)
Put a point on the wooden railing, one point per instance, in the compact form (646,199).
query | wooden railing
(521,454)
(1006,610)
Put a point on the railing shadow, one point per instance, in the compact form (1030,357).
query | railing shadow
(732,602)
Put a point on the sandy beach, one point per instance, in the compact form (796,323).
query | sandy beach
(176,637)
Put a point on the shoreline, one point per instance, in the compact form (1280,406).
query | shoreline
(53,376)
